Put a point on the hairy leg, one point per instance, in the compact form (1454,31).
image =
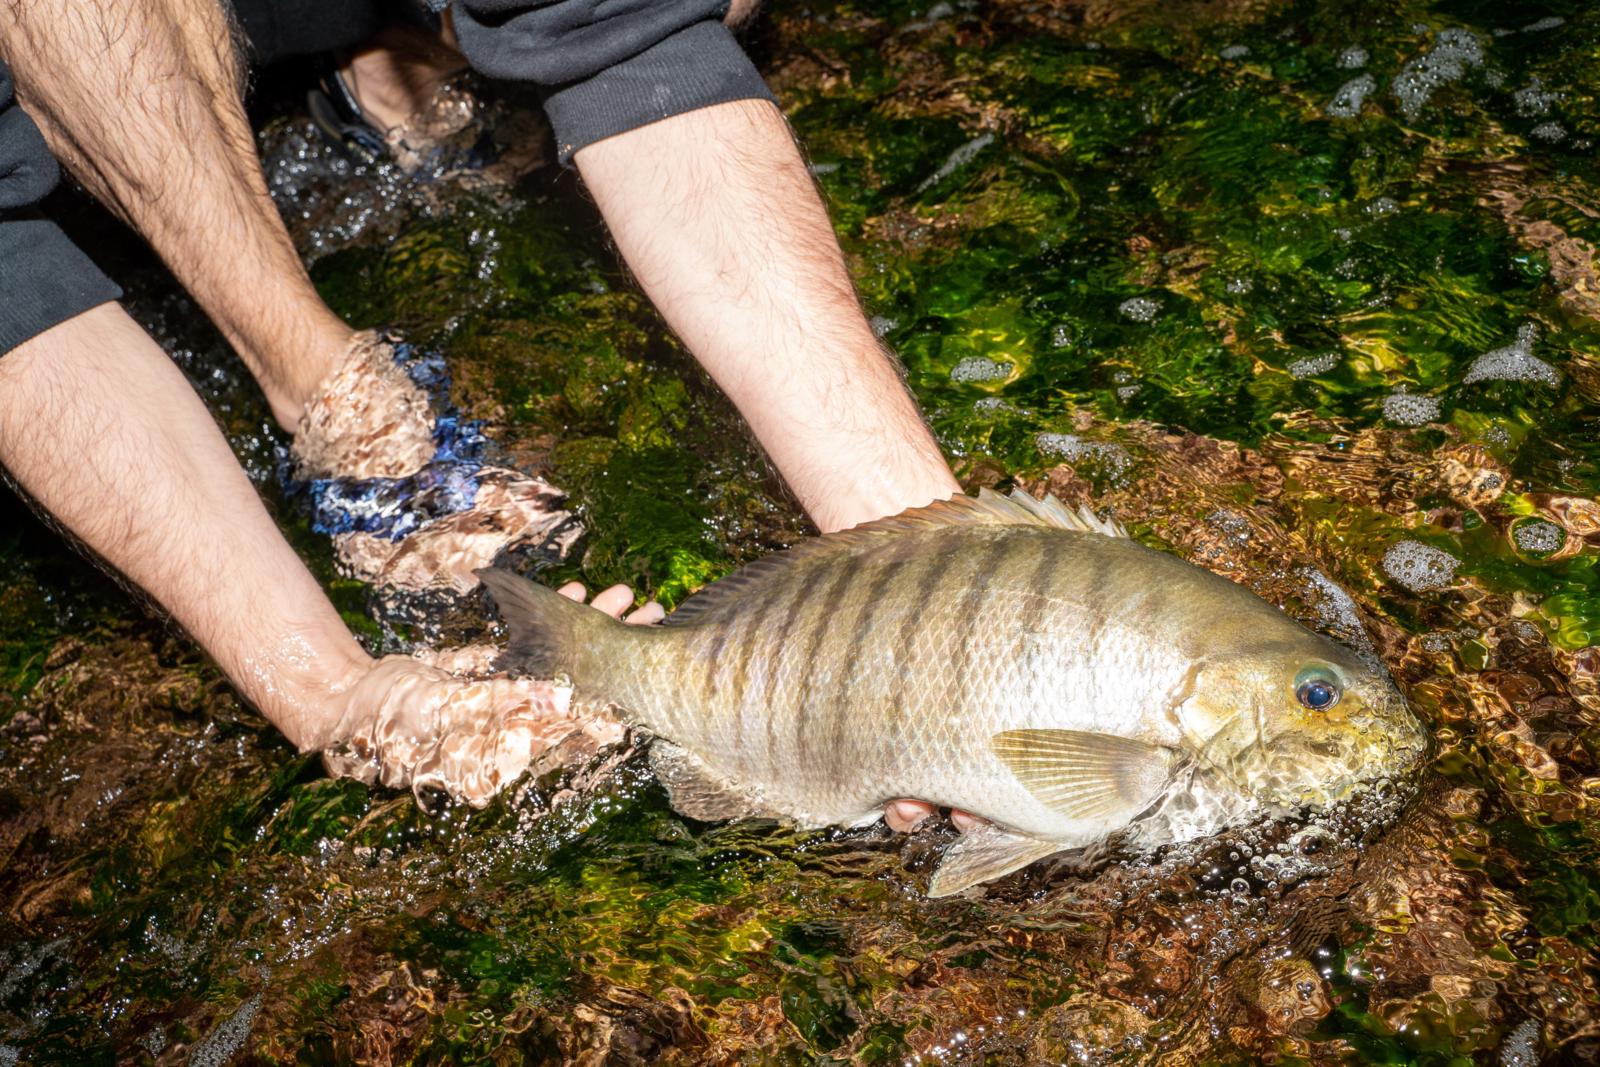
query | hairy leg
(142,101)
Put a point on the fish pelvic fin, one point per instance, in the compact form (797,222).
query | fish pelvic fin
(1098,778)
(696,790)
(984,853)
(551,637)
(988,508)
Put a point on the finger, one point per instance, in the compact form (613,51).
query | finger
(613,601)
(965,820)
(651,613)
(574,591)
(905,815)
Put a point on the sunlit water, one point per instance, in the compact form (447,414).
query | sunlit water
(1304,293)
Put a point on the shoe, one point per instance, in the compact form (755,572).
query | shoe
(338,116)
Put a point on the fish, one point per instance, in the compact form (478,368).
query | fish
(1006,656)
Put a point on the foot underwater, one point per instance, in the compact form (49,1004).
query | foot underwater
(1005,656)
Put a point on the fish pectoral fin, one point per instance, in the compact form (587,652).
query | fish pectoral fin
(1098,778)
(695,789)
(984,853)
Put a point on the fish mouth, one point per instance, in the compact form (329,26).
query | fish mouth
(1291,770)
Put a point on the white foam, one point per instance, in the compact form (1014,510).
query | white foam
(1140,308)
(1539,536)
(1346,103)
(1338,615)
(1311,366)
(1235,51)
(1353,58)
(1549,131)
(1419,567)
(1549,22)
(882,324)
(1112,457)
(956,160)
(1407,409)
(1384,205)
(1239,286)
(1534,98)
(1454,51)
(1521,1046)
(979,369)
(1514,363)
(223,1043)
(991,405)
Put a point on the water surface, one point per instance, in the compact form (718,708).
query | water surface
(1304,293)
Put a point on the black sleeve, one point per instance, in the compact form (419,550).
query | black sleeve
(608,66)
(44,278)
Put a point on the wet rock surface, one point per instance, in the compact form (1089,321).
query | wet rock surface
(1127,256)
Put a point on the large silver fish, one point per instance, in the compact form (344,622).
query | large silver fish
(1004,656)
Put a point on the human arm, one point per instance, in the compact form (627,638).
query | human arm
(100,428)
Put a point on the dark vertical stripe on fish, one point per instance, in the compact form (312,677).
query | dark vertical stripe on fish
(1051,552)
(716,640)
(889,573)
(849,569)
(787,611)
(971,616)
(935,568)
(752,621)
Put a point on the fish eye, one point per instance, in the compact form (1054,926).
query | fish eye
(1316,690)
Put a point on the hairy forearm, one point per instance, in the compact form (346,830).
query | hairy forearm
(716,216)
(103,431)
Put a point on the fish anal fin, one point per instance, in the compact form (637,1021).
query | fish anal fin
(984,853)
(696,790)
(1097,778)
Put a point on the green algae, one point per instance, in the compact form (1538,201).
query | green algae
(1112,223)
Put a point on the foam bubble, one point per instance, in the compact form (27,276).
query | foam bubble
(1514,363)
(882,324)
(956,160)
(1235,51)
(1113,458)
(1539,536)
(1384,205)
(1454,51)
(1549,131)
(1338,615)
(1406,409)
(1419,567)
(1311,366)
(223,1043)
(1239,286)
(1521,1046)
(1534,98)
(1140,308)
(1549,22)
(1353,58)
(1346,103)
(979,369)
(992,405)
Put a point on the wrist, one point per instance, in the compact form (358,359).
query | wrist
(304,687)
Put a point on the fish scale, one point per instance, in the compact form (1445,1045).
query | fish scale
(1004,656)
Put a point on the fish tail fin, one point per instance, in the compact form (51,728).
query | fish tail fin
(551,636)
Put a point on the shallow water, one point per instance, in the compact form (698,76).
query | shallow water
(1302,292)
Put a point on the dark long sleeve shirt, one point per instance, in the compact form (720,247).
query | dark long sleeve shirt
(44,278)
(603,67)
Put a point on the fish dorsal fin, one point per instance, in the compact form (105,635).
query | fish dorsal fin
(984,853)
(988,508)
(1098,778)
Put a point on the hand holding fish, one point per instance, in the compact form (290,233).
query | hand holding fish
(430,726)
